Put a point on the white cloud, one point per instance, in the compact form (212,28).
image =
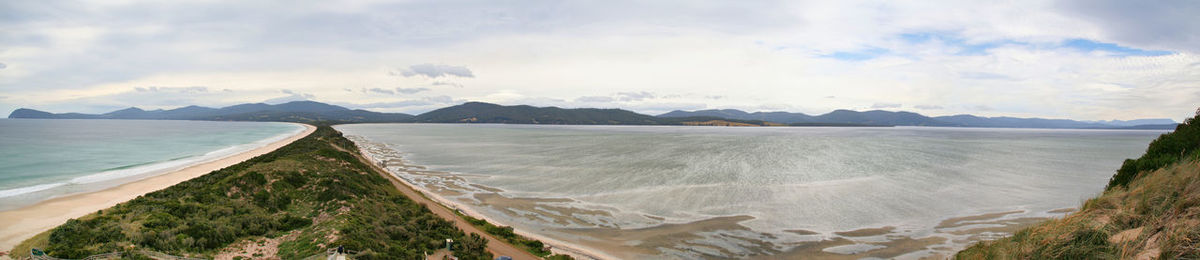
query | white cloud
(437,71)
(885,105)
(1005,56)
(382,91)
(634,96)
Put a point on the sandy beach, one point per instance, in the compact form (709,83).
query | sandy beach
(20,224)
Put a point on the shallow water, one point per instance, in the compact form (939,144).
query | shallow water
(42,159)
(786,185)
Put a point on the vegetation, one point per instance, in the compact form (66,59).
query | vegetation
(533,246)
(1168,149)
(305,197)
(1150,209)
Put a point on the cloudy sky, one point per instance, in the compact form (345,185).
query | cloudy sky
(1089,60)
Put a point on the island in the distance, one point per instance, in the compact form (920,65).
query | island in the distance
(480,112)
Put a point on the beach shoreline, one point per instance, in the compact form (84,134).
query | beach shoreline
(25,222)
(557,246)
(948,234)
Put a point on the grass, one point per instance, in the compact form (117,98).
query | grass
(1158,214)
(1148,210)
(533,246)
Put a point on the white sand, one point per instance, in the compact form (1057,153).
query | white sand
(20,224)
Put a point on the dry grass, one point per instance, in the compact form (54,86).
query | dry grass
(1155,217)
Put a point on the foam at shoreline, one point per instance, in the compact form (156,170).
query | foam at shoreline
(23,196)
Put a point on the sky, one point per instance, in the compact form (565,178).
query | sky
(1077,59)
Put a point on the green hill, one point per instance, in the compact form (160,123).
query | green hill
(300,200)
(1150,209)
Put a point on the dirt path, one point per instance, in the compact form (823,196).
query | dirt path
(495,246)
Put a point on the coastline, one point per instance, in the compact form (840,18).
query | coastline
(949,234)
(557,246)
(25,222)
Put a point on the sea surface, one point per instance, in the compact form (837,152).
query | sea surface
(715,192)
(46,158)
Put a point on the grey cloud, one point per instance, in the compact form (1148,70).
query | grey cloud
(436,71)
(594,99)
(382,91)
(397,104)
(348,90)
(982,108)
(410,90)
(830,97)
(634,96)
(1169,24)
(227,90)
(928,107)
(885,105)
(287,91)
(714,97)
(3,66)
(444,83)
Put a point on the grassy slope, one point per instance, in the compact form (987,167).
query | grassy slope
(1151,209)
(307,195)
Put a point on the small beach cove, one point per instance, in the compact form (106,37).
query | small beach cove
(27,221)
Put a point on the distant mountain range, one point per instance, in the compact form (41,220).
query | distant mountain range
(880,117)
(298,111)
(479,112)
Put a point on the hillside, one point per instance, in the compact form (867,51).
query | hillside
(480,112)
(1150,210)
(296,111)
(777,117)
(294,202)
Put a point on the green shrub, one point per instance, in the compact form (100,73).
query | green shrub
(1165,150)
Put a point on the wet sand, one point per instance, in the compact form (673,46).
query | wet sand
(588,233)
(20,224)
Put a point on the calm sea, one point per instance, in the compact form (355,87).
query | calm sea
(42,159)
(819,180)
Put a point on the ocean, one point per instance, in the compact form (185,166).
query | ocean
(42,159)
(717,192)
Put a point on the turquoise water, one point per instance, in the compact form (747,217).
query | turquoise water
(42,159)
(822,180)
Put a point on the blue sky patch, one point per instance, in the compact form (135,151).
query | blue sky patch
(953,39)
(1085,45)
(861,55)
